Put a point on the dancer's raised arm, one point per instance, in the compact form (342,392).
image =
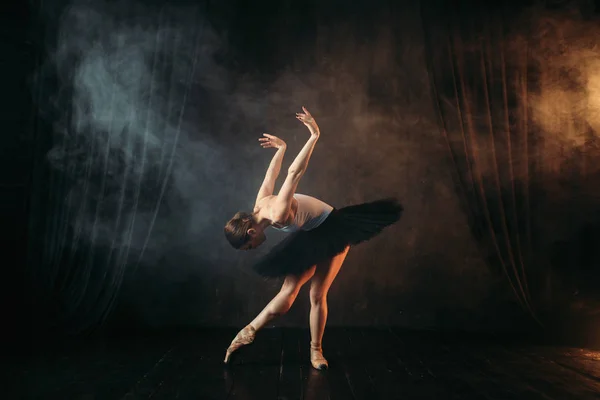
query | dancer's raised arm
(296,170)
(268,185)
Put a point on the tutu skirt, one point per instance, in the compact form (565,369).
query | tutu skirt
(343,227)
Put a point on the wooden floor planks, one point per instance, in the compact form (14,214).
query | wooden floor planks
(364,364)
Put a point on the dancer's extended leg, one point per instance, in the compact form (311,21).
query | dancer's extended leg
(321,282)
(280,304)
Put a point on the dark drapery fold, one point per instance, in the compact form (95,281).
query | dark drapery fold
(108,136)
(518,121)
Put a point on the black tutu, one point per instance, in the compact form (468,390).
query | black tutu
(349,225)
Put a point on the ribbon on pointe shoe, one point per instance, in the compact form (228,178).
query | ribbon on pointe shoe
(317,359)
(243,338)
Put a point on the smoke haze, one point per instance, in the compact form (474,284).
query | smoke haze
(160,110)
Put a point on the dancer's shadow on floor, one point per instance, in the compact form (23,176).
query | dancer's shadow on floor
(314,384)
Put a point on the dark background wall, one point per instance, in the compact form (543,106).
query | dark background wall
(16,155)
(145,143)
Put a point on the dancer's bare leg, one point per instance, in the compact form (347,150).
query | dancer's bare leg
(283,301)
(321,282)
(280,304)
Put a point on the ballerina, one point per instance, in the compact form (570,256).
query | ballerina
(316,247)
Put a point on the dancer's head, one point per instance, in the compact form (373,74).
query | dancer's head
(243,232)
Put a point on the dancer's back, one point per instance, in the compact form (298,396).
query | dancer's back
(310,213)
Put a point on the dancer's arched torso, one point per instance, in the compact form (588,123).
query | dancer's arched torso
(307,213)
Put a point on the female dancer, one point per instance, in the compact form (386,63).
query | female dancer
(320,239)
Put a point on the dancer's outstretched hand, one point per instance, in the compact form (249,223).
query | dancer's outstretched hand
(269,141)
(308,120)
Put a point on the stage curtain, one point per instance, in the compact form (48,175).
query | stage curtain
(515,91)
(105,156)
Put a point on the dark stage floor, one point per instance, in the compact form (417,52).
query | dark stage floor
(364,364)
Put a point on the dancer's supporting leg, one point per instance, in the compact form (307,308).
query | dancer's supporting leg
(280,304)
(323,278)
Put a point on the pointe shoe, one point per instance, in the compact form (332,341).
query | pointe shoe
(316,358)
(244,337)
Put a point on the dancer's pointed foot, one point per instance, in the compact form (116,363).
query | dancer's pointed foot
(244,337)
(317,359)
